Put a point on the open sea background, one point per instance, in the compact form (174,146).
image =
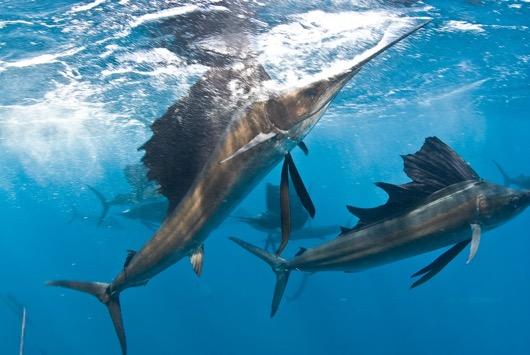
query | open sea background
(81,81)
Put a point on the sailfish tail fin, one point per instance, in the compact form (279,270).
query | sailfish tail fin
(278,265)
(102,292)
(105,205)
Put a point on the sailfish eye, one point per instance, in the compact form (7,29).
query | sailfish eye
(311,93)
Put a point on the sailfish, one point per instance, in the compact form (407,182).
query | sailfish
(446,204)
(209,150)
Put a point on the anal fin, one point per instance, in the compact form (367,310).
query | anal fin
(197,260)
(439,263)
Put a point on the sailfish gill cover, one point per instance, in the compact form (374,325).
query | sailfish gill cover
(116,106)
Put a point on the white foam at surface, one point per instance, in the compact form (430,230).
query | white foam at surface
(41,59)
(86,7)
(155,62)
(63,138)
(14,22)
(155,55)
(454,26)
(316,36)
(175,11)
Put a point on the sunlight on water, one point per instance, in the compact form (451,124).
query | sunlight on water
(64,137)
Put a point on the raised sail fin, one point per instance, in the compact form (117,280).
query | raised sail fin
(439,263)
(434,167)
(186,135)
(400,198)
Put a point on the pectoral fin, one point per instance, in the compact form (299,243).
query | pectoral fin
(439,263)
(197,259)
(475,241)
(256,141)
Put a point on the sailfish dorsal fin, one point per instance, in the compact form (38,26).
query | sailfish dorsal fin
(434,167)
(185,136)
(400,198)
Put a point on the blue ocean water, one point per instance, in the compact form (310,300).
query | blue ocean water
(81,81)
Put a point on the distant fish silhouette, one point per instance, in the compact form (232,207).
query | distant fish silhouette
(77,216)
(151,214)
(521,181)
(269,221)
(141,190)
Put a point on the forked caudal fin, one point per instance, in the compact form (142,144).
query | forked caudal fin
(104,204)
(101,291)
(278,265)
